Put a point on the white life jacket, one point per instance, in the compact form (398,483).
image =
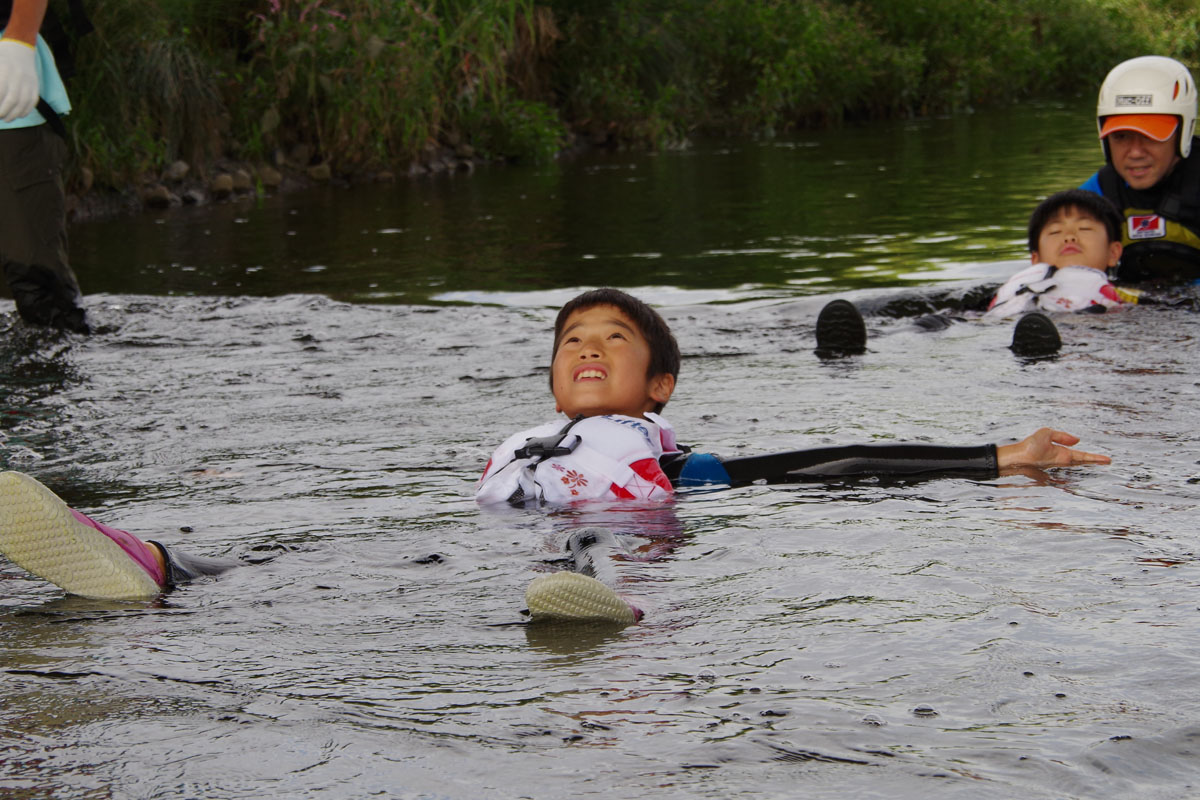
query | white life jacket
(1042,287)
(608,457)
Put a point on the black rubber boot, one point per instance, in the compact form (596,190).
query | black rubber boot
(1035,336)
(44,298)
(840,330)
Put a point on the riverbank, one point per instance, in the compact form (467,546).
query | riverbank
(242,87)
(181,185)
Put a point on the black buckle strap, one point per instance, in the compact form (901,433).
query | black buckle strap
(53,120)
(547,447)
(1050,270)
(543,447)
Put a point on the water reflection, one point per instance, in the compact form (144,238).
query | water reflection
(836,210)
(37,366)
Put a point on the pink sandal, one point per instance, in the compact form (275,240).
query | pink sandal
(39,533)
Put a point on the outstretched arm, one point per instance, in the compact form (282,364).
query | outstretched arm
(1045,448)
(839,461)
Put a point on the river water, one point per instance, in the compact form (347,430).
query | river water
(312,383)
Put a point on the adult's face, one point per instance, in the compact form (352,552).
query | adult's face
(1140,160)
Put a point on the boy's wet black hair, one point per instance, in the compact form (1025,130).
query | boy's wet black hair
(664,350)
(1096,206)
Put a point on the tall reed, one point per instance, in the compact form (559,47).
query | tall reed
(379,83)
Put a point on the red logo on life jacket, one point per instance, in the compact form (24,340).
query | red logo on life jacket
(1147,226)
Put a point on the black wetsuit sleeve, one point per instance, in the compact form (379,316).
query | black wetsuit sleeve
(183,567)
(838,462)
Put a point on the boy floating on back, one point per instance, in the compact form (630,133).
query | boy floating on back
(614,366)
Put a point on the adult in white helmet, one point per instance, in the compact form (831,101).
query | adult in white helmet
(1146,115)
(33,234)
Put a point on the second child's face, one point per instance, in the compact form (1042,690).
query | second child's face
(601,366)
(1074,239)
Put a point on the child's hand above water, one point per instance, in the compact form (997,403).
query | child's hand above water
(1045,448)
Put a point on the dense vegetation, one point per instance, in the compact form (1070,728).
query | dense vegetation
(373,84)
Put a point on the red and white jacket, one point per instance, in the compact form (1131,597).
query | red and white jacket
(1044,288)
(614,457)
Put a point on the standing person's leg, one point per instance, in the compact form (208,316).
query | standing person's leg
(33,229)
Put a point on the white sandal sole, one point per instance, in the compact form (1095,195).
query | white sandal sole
(570,596)
(39,534)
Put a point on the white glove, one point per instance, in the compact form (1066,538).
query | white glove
(18,79)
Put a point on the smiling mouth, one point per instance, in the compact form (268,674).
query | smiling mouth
(590,375)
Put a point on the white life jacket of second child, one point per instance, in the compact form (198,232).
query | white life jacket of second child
(1042,287)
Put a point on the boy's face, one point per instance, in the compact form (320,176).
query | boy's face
(1072,238)
(601,366)
(1140,160)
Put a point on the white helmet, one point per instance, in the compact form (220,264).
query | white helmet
(1141,87)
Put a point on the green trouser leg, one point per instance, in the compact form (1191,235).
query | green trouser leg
(33,235)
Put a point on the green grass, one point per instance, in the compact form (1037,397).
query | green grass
(376,83)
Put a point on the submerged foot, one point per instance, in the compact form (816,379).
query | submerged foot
(593,549)
(571,597)
(1035,336)
(840,330)
(40,534)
